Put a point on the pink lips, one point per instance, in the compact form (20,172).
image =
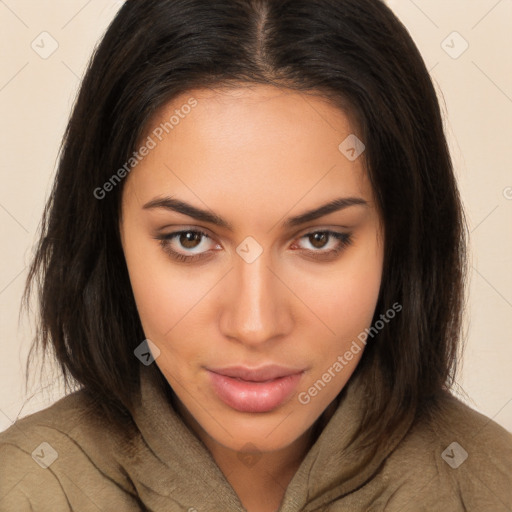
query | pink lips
(254,390)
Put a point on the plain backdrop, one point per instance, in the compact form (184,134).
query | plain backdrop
(467,47)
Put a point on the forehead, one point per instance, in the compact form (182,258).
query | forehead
(262,144)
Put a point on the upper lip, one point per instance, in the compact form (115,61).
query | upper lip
(260,374)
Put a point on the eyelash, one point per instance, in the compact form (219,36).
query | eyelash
(345,240)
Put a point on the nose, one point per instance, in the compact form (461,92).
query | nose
(256,306)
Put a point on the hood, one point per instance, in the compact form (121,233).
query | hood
(189,476)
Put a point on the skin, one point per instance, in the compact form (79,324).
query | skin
(255,156)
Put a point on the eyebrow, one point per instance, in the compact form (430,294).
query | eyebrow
(176,205)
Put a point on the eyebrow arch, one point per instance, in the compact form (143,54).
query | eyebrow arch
(178,206)
(333,206)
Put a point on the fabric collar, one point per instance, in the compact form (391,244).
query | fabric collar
(188,474)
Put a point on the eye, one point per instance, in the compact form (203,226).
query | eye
(192,245)
(325,244)
(187,245)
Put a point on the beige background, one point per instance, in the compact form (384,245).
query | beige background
(475,89)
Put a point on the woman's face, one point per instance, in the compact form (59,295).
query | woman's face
(231,272)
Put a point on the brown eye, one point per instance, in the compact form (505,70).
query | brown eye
(319,240)
(187,246)
(324,245)
(190,239)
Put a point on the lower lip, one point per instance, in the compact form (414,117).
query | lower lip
(246,396)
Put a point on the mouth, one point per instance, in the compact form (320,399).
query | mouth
(254,390)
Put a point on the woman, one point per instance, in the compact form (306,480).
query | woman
(252,264)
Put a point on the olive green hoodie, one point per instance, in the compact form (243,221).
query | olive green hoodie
(68,457)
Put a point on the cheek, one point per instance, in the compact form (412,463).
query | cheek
(163,292)
(345,304)
(345,298)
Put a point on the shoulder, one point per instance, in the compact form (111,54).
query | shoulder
(72,420)
(453,458)
(54,456)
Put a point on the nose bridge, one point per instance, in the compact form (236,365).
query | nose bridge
(256,309)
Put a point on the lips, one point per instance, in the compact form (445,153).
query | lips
(262,374)
(254,390)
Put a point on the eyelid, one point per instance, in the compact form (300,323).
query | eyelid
(321,229)
(179,228)
(197,230)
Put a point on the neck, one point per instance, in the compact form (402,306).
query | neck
(253,475)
